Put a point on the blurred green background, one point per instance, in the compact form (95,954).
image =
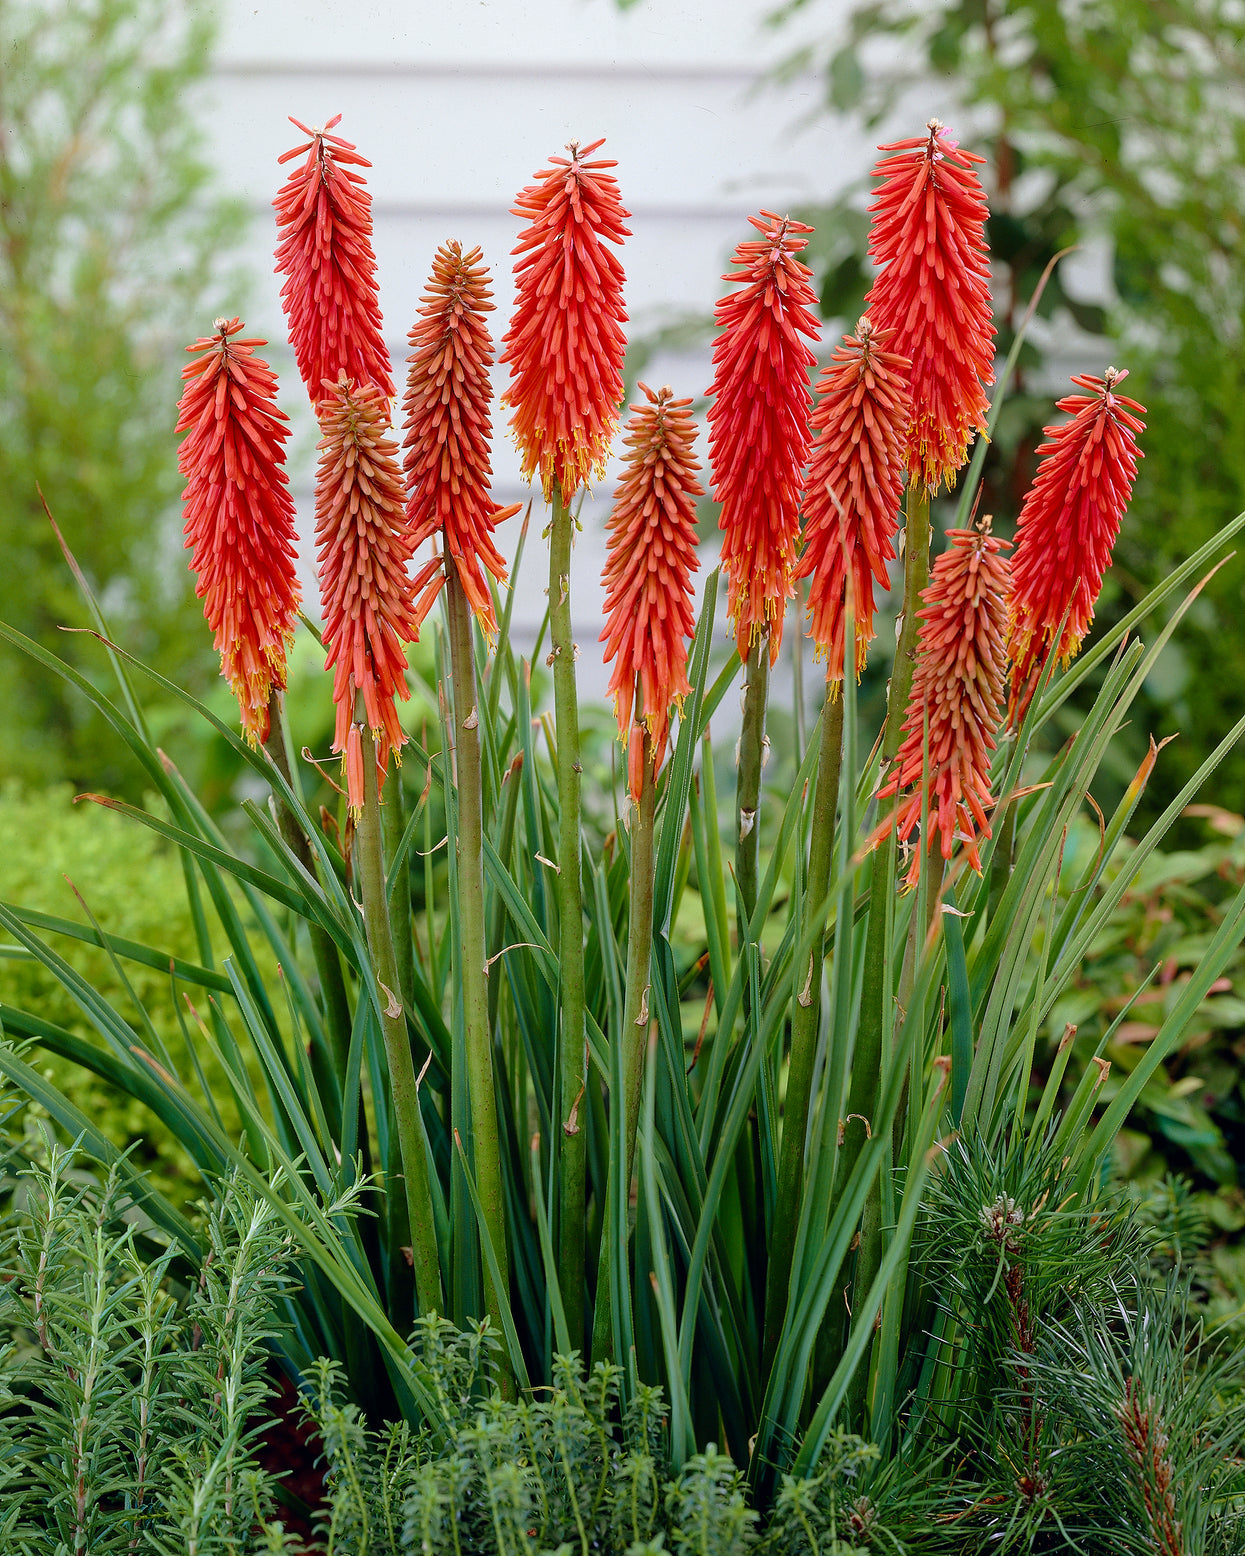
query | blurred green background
(112,234)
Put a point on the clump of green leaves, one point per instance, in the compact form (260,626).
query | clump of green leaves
(564,1471)
(569,1472)
(135,1398)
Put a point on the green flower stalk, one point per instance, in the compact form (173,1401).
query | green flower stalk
(448,471)
(648,622)
(758,443)
(851,508)
(565,351)
(368,610)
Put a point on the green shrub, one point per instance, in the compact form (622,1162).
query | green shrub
(78,862)
(132,1413)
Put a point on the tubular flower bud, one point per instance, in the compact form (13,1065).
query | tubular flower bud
(239,515)
(1068,526)
(957,692)
(366,597)
(758,421)
(933,294)
(855,482)
(448,429)
(648,571)
(330,296)
(565,344)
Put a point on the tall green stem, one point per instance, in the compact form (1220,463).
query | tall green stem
(1004,848)
(748,778)
(867,1055)
(371,859)
(634,1037)
(328,965)
(400,895)
(336,1004)
(867,1060)
(573,1066)
(805,1016)
(485,1150)
(797,671)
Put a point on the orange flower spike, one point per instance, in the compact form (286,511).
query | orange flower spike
(330,296)
(957,689)
(758,422)
(933,293)
(648,571)
(239,515)
(448,432)
(363,547)
(1068,526)
(855,482)
(565,344)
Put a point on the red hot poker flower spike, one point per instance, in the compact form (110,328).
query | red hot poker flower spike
(855,482)
(363,548)
(330,296)
(239,515)
(648,571)
(957,690)
(448,429)
(1067,527)
(565,344)
(933,293)
(759,433)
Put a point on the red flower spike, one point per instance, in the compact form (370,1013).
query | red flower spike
(366,597)
(565,344)
(758,422)
(855,482)
(448,431)
(330,296)
(1067,528)
(957,692)
(648,572)
(933,294)
(239,515)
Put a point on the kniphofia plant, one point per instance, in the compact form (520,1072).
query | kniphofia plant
(860,1336)
(448,432)
(565,350)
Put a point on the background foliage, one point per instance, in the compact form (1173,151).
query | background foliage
(110,237)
